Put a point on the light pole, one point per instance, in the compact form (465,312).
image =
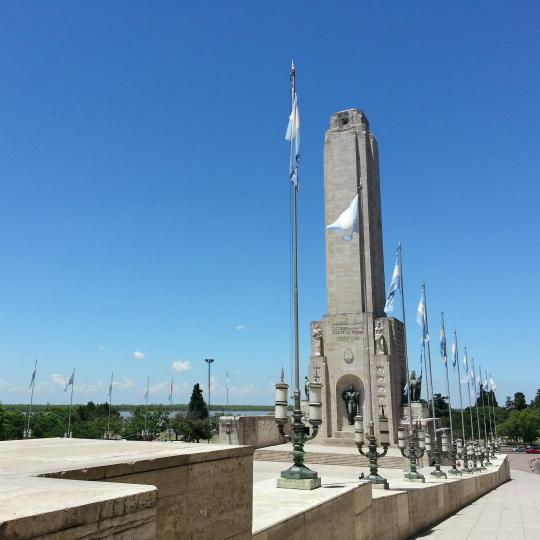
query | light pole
(417,447)
(209,362)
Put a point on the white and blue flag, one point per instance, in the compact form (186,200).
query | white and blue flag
(421,316)
(465,360)
(347,222)
(70,381)
(293,132)
(33,379)
(395,285)
(454,351)
(444,354)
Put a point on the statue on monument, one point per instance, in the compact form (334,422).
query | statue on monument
(306,387)
(351,399)
(416,386)
(379,339)
(316,340)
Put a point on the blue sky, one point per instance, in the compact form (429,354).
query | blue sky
(144,208)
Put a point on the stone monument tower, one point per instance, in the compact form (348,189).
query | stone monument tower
(338,350)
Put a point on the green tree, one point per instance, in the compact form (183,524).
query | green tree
(536,401)
(197,407)
(195,424)
(522,425)
(519,401)
(12,424)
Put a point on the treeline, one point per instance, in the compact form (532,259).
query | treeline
(130,407)
(518,421)
(91,421)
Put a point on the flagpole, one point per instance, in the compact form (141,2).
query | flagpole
(110,402)
(489,406)
(227,378)
(171,402)
(463,443)
(477,413)
(71,404)
(486,447)
(493,406)
(470,401)
(31,399)
(146,405)
(405,336)
(447,384)
(423,357)
(429,360)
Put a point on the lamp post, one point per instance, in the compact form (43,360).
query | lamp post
(300,433)
(374,477)
(451,451)
(461,452)
(417,447)
(432,449)
(209,362)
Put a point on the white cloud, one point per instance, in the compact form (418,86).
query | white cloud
(240,327)
(181,365)
(138,355)
(100,347)
(124,382)
(160,387)
(58,380)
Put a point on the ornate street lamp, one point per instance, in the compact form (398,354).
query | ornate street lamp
(461,451)
(417,447)
(377,480)
(433,452)
(472,456)
(300,433)
(451,452)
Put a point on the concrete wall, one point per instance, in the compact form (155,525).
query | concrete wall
(391,515)
(203,496)
(257,431)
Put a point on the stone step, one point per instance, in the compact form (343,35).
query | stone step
(327,458)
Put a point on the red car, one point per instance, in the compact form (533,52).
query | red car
(533,449)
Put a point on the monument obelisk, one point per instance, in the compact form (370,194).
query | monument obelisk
(338,354)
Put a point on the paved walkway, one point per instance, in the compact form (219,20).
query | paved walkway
(510,512)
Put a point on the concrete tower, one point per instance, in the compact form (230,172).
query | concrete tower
(338,355)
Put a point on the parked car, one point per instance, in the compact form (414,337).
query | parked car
(519,449)
(533,449)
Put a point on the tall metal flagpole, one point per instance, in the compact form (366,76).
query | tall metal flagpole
(465,469)
(469,392)
(437,472)
(489,406)
(476,399)
(405,337)
(423,356)
(493,388)
(300,432)
(146,405)
(32,383)
(110,403)
(485,448)
(445,360)
(71,403)
(479,447)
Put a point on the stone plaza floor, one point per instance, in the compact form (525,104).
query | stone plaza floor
(509,512)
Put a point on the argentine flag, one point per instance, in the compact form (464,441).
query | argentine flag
(444,354)
(454,351)
(293,132)
(395,285)
(70,382)
(421,316)
(347,222)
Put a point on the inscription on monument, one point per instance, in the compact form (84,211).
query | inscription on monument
(346,330)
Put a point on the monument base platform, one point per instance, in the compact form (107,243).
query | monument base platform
(294,483)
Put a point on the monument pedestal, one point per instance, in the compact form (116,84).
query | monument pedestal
(299,483)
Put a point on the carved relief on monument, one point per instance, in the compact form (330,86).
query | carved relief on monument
(316,340)
(380,370)
(348,356)
(346,331)
(380,345)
